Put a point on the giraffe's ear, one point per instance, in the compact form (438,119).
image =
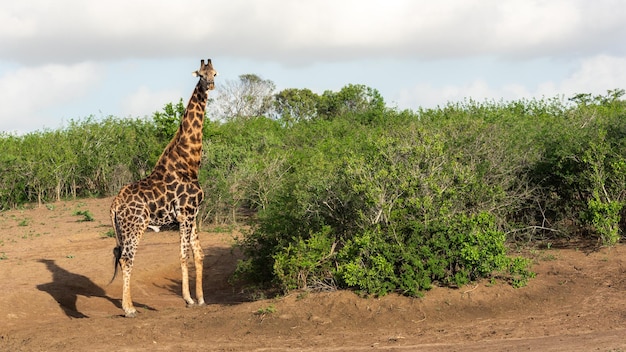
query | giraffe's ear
(195,74)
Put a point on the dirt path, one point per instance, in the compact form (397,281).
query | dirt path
(54,272)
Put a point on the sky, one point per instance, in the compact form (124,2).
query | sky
(67,60)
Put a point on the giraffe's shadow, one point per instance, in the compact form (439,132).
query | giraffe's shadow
(66,286)
(219,265)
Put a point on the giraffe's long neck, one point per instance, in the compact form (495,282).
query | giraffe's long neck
(184,152)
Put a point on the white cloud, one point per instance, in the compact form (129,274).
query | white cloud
(145,101)
(448,49)
(524,23)
(596,75)
(309,31)
(26,91)
(13,24)
(593,75)
(428,96)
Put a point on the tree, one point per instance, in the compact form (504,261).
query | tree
(168,120)
(351,99)
(251,96)
(294,105)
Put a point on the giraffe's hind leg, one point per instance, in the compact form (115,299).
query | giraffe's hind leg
(127,302)
(129,219)
(128,245)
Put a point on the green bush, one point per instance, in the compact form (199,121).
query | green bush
(582,171)
(306,263)
(86,158)
(241,165)
(605,218)
(453,253)
(401,206)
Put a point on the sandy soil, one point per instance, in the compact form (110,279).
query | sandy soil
(55,269)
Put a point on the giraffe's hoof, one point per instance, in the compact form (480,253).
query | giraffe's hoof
(194,304)
(131,314)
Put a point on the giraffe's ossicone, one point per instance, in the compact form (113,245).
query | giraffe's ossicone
(171,194)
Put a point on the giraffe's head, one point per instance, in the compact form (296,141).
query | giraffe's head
(206,74)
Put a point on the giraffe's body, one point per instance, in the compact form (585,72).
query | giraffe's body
(170,194)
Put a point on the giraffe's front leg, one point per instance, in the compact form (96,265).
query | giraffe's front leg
(184,253)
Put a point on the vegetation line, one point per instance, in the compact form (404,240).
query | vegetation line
(344,191)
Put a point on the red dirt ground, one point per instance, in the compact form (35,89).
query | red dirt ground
(54,272)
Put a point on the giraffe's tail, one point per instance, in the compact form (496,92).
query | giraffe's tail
(117,251)
(117,254)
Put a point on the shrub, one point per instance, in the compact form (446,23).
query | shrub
(86,158)
(388,207)
(306,263)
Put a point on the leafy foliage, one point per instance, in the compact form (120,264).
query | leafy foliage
(296,105)
(379,208)
(87,158)
(345,192)
(168,120)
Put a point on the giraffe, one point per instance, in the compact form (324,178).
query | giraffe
(170,194)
